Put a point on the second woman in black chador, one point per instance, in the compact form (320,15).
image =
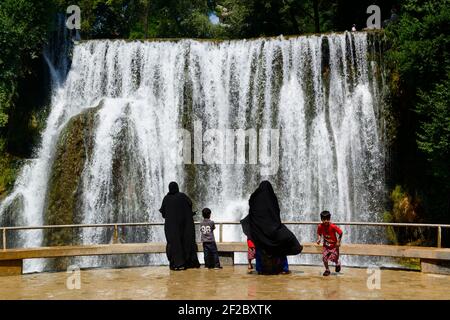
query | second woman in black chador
(272,239)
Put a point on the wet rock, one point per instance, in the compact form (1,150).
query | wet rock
(64,192)
(12,217)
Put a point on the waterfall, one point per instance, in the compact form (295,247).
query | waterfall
(57,51)
(312,103)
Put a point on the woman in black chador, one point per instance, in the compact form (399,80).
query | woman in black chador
(272,239)
(179,228)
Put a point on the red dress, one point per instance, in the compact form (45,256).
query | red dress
(251,250)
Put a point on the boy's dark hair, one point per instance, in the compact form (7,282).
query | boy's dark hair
(206,213)
(325,215)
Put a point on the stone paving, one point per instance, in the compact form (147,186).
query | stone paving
(230,283)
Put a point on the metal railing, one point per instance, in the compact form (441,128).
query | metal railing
(116,226)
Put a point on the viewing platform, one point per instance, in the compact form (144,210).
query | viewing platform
(233,282)
(433,260)
(229,283)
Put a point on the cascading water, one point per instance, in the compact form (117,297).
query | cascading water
(57,51)
(316,97)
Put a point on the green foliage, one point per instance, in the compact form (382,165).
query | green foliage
(8,171)
(390,232)
(4,106)
(234,15)
(199,26)
(255,18)
(434,134)
(134,19)
(23,30)
(420,79)
(104,18)
(138,19)
(405,209)
(421,43)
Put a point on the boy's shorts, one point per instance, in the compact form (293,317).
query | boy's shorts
(330,254)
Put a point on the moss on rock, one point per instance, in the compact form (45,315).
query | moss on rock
(63,194)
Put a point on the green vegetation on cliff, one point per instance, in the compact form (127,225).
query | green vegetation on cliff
(420,80)
(23,32)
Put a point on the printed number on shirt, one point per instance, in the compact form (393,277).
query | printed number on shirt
(205,229)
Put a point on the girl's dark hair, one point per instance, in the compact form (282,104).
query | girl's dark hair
(206,213)
(325,215)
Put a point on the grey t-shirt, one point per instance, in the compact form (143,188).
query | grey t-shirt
(206,229)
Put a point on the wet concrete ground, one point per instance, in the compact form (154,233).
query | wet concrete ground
(230,283)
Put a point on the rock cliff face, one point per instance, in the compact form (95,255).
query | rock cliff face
(65,183)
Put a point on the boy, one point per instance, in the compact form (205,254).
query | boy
(209,243)
(331,243)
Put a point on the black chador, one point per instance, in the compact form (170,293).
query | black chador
(179,229)
(263,224)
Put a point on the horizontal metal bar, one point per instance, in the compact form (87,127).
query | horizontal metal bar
(111,225)
(102,225)
(375,224)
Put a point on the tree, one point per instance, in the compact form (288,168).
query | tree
(23,31)
(316,15)
(433,136)
(420,60)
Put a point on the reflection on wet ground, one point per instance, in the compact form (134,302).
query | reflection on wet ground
(305,282)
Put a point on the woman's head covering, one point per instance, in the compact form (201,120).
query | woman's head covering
(266,185)
(264,206)
(173,188)
(265,191)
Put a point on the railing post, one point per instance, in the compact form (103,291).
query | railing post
(439,237)
(116,234)
(4,239)
(221,232)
